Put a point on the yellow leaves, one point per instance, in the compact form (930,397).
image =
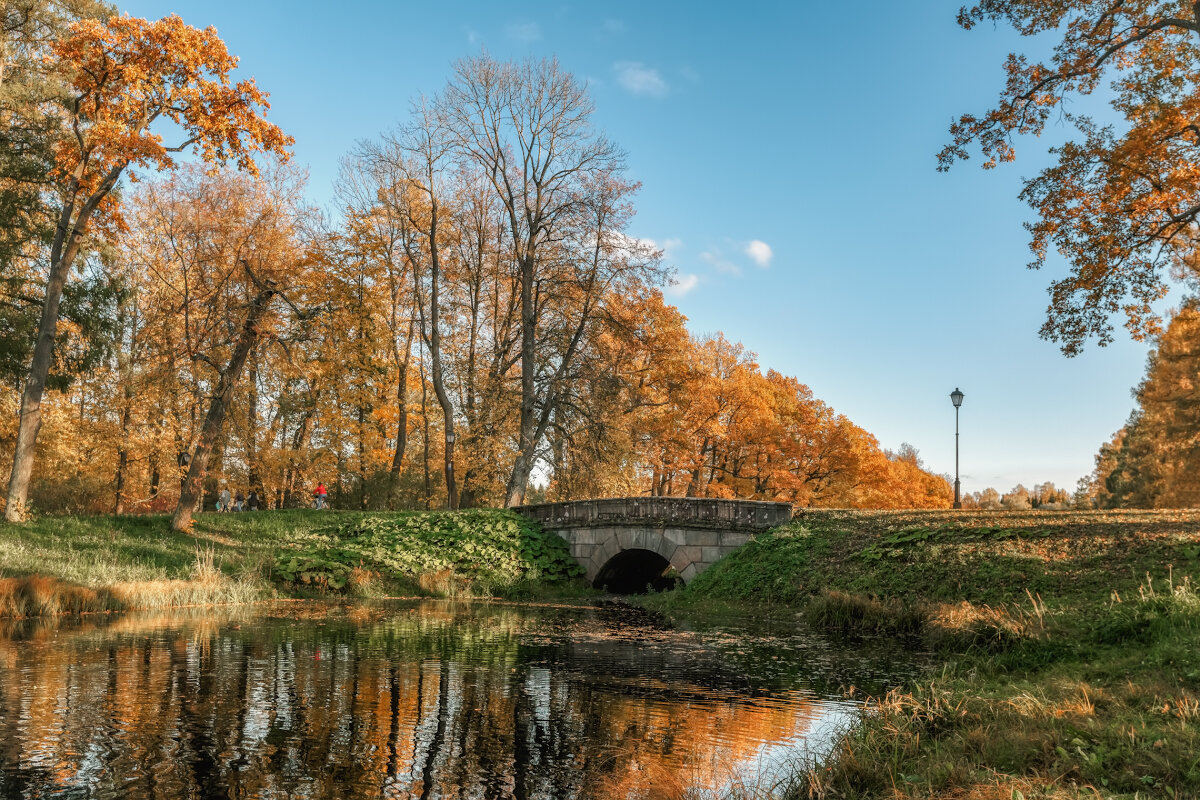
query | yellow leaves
(708,422)
(1121,203)
(127,74)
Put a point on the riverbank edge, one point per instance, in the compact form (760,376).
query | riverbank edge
(1067,647)
(96,564)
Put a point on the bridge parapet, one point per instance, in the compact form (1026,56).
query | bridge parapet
(687,512)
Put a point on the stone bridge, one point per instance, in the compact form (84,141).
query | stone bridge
(626,543)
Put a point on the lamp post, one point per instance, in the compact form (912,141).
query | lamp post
(956,397)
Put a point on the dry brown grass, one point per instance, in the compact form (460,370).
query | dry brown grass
(45,596)
(445,583)
(41,596)
(980,625)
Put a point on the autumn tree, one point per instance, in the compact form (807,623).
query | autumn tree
(30,129)
(528,129)
(1154,461)
(614,426)
(487,336)
(1123,201)
(373,238)
(225,254)
(127,78)
(30,125)
(1096,490)
(419,197)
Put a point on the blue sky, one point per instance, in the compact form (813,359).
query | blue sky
(786,152)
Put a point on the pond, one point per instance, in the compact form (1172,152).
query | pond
(417,699)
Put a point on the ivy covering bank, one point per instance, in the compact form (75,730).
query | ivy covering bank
(472,552)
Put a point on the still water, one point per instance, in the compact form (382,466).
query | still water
(416,700)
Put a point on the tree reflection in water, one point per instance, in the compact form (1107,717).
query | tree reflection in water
(405,700)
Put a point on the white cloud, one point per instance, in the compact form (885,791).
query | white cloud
(613,26)
(637,78)
(683,284)
(720,263)
(760,252)
(474,36)
(666,245)
(525,32)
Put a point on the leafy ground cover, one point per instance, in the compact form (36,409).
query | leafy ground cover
(455,553)
(86,563)
(1068,642)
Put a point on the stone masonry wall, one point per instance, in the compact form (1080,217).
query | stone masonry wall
(692,534)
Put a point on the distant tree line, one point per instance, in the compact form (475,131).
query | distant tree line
(1044,496)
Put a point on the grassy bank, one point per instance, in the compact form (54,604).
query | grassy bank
(1069,646)
(72,564)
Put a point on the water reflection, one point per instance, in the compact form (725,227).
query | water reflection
(423,700)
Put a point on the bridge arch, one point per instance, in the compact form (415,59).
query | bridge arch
(690,534)
(635,571)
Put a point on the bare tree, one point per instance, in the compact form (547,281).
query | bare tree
(421,153)
(527,128)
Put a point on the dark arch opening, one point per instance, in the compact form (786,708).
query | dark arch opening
(636,572)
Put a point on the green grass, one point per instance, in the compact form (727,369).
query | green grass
(950,557)
(254,555)
(1069,647)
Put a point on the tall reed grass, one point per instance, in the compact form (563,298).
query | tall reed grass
(42,595)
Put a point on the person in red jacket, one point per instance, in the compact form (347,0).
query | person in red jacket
(321,496)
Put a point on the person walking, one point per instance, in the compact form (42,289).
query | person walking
(239,501)
(252,502)
(320,496)
(224,500)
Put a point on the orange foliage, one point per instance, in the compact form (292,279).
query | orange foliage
(127,73)
(1121,203)
(700,419)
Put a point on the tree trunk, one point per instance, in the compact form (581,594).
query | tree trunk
(693,487)
(519,480)
(253,475)
(523,465)
(68,238)
(122,458)
(31,399)
(402,416)
(437,374)
(431,334)
(209,433)
(443,397)
(425,437)
(122,464)
(298,439)
(362,456)
(155,475)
